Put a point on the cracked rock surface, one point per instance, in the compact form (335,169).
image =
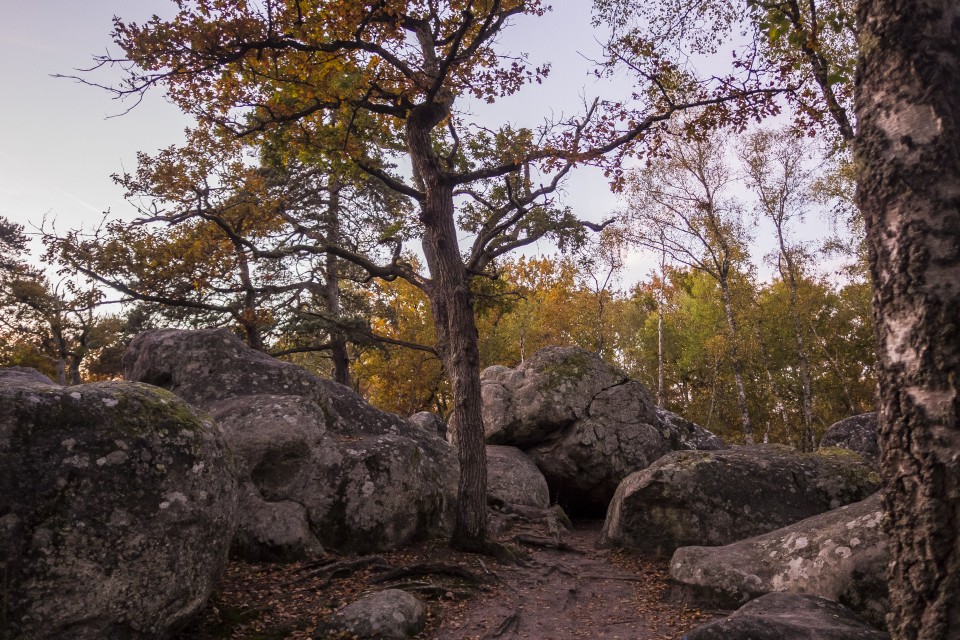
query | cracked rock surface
(117,506)
(320,467)
(584,423)
(718,497)
(841,555)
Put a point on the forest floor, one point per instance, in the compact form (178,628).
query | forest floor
(555,594)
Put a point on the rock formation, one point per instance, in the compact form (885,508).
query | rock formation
(320,467)
(718,497)
(584,423)
(782,616)
(841,555)
(857,433)
(118,505)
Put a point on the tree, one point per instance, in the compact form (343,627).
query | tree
(776,172)
(679,205)
(908,155)
(398,69)
(47,323)
(806,48)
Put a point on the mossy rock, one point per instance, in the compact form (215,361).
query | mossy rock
(119,504)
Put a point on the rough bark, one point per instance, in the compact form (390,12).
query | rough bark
(457,341)
(908,155)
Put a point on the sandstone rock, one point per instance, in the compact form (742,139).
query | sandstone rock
(23,376)
(550,391)
(512,478)
(684,435)
(320,467)
(119,503)
(857,433)
(841,555)
(782,616)
(718,497)
(386,615)
(430,422)
(584,423)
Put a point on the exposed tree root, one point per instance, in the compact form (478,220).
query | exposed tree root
(336,570)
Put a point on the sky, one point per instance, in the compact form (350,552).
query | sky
(61,140)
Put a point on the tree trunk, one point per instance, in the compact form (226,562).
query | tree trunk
(452,305)
(908,154)
(74,370)
(737,367)
(457,342)
(808,442)
(660,375)
(331,290)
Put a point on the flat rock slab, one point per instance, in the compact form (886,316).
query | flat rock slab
(841,555)
(783,616)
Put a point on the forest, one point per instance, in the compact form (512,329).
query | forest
(342,203)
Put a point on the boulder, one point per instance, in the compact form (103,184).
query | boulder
(385,615)
(684,435)
(319,466)
(718,497)
(783,616)
(545,394)
(841,555)
(583,423)
(857,433)
(23,377)
(430,422)
(512,478)
(118,505)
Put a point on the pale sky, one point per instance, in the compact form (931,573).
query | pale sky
(58,145)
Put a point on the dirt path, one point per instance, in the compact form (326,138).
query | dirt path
(562,595)
(578,593)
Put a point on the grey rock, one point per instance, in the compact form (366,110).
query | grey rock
(583,423)
(321,468)
(782,616)
(684,435)
(119,503)
(512,478)
(857,433)
(24,376)
(386,615)
(430,422)
(545,394)
(841,555)
(718,497)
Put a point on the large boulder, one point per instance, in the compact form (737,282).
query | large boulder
(841,555)
(782,616)
(857,433)
(320,467)
(118,505)
(391,614)
(584,423)
(718,497)
(513,479)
